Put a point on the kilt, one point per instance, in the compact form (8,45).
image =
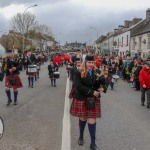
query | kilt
(78,109)
(17,83)
(72,92)
(51,75)
(30,74)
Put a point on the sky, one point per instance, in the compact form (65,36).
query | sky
(70,20)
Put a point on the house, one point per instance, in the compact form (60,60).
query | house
(122,36)
(140,37)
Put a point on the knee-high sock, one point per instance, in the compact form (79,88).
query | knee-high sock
(92,131)
(51,81)
(32,80)
(82,125)
(29,78)
(35,78)
(54,81)
(8,93)
(15,96)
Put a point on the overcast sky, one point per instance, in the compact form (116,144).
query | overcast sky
(70,20)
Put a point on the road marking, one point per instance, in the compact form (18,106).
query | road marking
(66,136)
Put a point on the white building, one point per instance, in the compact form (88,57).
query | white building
(140,37)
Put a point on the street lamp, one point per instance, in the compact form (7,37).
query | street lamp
(96,33)
(95,30)
(30,7)
(23,31)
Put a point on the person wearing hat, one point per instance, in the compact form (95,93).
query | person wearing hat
(52,67)
(89,83)
(77,64)
(111,72)
(12,79)
(31,59)
(144,79)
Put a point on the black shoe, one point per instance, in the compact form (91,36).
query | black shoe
(142,104)
(148,106)
(94,147)
(32,86)
(15,103)
(81,141)
(55,85)
(9,102)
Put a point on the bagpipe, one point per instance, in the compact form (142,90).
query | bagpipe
(102,79)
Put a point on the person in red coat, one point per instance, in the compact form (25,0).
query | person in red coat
(144,79)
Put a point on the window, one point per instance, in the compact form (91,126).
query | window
(133,46)
(148,42)
(140,42)
(127,40)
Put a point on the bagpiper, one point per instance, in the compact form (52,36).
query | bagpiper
(89,83)
(12,79)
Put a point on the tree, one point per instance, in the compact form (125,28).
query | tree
(23,23)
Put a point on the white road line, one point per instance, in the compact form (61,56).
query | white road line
(66,136)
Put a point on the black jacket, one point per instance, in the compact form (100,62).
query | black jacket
(137,72)
(31,60)
(52,68)
(8,64)
(85,87)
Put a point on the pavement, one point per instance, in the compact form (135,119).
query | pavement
(125,125)
(37,122)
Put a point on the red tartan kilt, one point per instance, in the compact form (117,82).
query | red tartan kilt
(18,83)
(72,93)
(79,109)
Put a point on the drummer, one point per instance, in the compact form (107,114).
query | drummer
(111,72)
(38,63)
(30,61)
(52,67)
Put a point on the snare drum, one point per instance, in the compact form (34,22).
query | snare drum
(38,67)
(69,66)
(56,75)
(115,78)
(32,69)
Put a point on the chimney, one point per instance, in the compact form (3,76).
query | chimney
(135,20)
(120,27)
(115,30)
(148,14)
(127,23)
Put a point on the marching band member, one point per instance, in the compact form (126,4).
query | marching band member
(69,65)
(52,67)
(77,64)
(89,83)
(30,61)
(12,79)
(111,72)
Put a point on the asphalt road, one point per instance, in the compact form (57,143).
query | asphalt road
(36,123)
(125,125)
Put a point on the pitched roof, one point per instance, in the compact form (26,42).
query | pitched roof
(144,27)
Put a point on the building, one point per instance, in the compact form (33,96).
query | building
(140,37)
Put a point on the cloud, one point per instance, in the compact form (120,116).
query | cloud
(70,20)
